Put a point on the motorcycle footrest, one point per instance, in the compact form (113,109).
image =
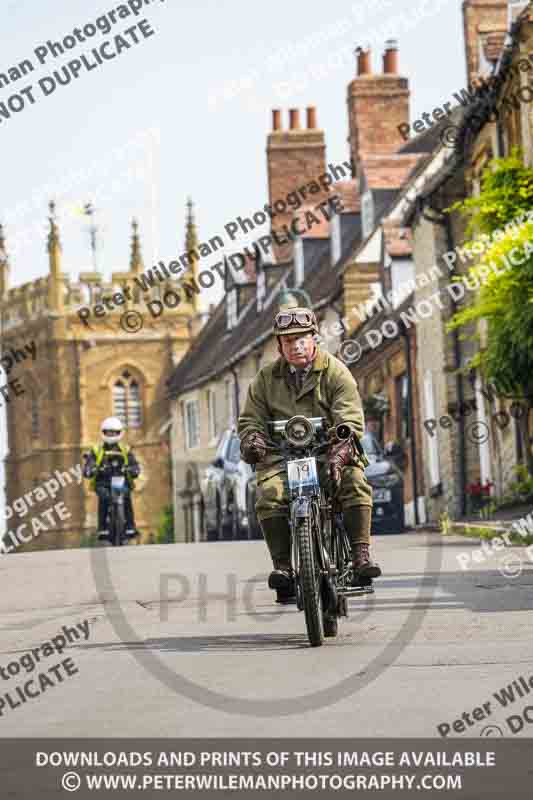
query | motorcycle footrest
(355,592)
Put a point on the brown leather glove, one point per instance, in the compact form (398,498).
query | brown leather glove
(253,448)
(340,454)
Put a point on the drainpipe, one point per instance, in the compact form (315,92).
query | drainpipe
(410,414)
(443,220)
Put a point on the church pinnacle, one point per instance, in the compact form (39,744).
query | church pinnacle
(136,261)
(191,247)
(4,266)
(55,281)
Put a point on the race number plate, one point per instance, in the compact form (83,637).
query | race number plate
(302,476)
(118,481)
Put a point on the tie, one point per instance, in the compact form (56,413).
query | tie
(300,377)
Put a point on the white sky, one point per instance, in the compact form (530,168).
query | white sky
(173,83)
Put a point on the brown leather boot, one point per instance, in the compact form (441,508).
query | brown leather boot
(364,570)
(277,536)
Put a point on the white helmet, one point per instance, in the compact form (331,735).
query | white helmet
(111,429)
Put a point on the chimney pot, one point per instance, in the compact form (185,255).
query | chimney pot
(364,66)
(311,117)
(276,119)
(390,57)
(294,119)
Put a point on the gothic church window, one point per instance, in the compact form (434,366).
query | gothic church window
(127,401)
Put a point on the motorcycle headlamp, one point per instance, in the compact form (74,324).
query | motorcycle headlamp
(299,431)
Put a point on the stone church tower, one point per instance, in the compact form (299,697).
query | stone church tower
(82,374)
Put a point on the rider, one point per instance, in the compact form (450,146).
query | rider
(310,381)
(96,469)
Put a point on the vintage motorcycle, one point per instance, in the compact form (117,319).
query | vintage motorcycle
(320,548)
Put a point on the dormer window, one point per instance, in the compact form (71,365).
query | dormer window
(260,288)
(231,309)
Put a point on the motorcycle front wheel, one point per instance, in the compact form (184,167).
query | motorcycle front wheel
(309,579)
(119,525)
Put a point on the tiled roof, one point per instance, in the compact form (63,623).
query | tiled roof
(427,141)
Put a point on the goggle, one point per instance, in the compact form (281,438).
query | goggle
(111,433)
(286,318)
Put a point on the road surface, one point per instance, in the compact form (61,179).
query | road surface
(185,640)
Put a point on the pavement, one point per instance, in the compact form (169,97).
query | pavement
(185,640)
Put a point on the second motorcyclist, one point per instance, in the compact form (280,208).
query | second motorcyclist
(96,469)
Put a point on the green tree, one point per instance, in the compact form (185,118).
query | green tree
(504,301)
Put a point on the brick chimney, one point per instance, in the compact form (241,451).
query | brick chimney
(295,157)
(485,23)
(377,105)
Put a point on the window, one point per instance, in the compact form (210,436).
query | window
(402,279)
(192,424)
(298,253)
(127,401)
(34,415)
(231,309)
(212,414)
(367,214)
(260,288)
(336,247)
(402,407)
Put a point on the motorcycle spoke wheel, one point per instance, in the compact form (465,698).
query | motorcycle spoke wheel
(309,579)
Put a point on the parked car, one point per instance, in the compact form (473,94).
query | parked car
(386,481)
(254,528)
(224,489)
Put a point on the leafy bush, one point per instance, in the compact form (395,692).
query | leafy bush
(504,300)
(165,532)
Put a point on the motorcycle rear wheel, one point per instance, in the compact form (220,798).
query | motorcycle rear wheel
(309,578)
